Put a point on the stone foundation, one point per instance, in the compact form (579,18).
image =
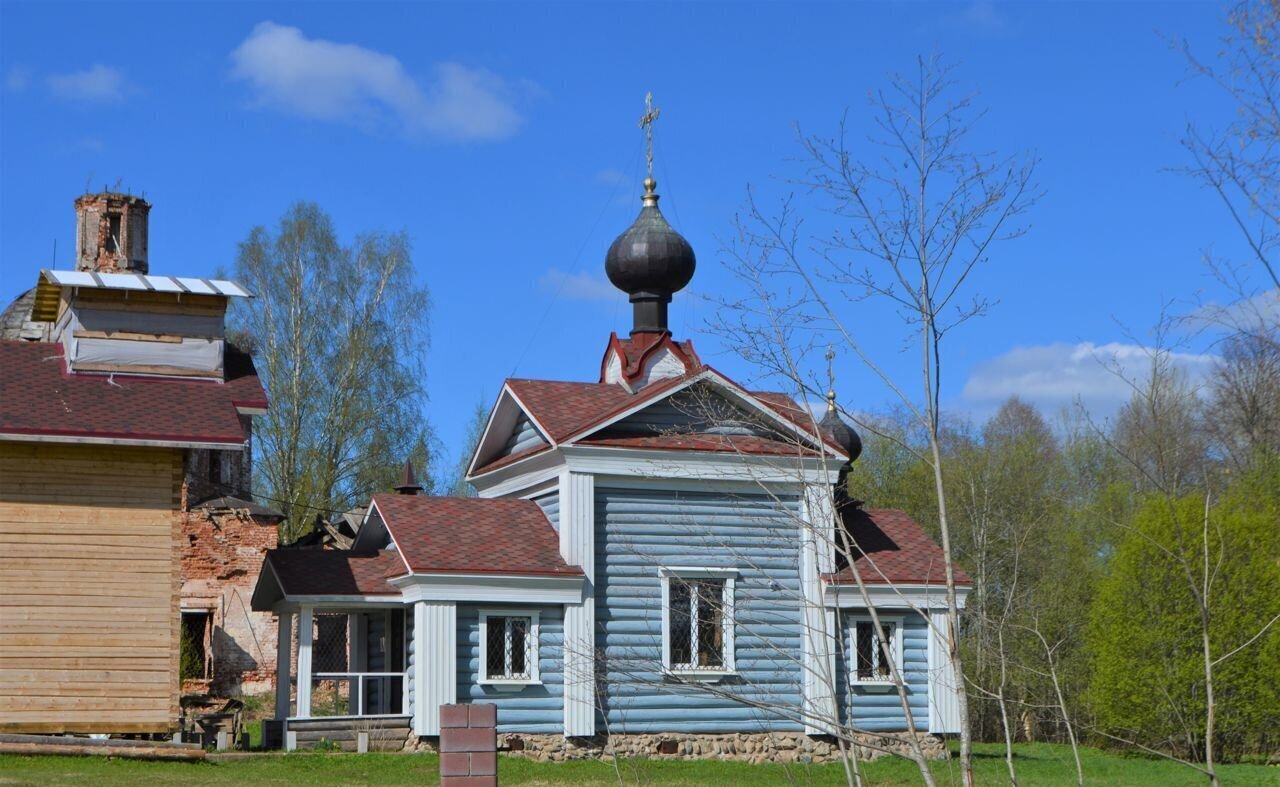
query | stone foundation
(784,747)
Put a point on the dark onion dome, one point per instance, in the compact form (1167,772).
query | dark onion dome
(840,432)
(650,261)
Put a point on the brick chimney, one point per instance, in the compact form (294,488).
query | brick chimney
(111,233)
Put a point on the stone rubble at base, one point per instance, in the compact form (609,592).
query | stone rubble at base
(779,747)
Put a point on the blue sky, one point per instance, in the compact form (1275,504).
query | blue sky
(503,139)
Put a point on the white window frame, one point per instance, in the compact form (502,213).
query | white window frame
(534,637)
(729,575)
(851,650)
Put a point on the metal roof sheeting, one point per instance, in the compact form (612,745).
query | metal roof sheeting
(138,281)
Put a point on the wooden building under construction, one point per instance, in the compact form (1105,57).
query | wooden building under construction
(115,388)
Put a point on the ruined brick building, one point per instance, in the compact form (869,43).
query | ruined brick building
(144,380)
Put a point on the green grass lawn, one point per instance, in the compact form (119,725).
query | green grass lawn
(1038,764)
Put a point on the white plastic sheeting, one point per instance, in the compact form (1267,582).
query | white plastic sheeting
(195,353)
(141,282)
(204,326)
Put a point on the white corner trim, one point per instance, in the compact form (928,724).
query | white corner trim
(435,680)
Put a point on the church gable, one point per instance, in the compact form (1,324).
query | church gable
(510,431)
(708,414)
(698,409)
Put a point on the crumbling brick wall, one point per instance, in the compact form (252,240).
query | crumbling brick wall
(221,558)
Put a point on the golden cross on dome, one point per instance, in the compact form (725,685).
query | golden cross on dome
(646,122)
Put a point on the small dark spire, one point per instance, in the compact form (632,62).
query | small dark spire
(408,481)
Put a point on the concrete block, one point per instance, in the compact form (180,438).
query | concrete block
(484,763)
(478,739)
(483,714)
(455,764)
(453,716)
(362,742)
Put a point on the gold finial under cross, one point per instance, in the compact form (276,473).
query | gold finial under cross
(646,122)
(831,379)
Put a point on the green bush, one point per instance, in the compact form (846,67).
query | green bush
(1145,626)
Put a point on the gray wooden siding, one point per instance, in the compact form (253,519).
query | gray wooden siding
(523,435)
(636,532)
(531,709)
(882,712)
(550,505)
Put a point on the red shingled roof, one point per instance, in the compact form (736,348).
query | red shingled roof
(39,397)
(473,535)
(901,550)
(567,408)
(305,571)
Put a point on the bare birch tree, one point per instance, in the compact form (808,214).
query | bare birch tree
(917,212)
(1240,162)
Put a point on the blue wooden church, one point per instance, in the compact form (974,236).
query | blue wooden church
(659,561)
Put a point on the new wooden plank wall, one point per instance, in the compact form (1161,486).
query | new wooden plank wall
(89,588)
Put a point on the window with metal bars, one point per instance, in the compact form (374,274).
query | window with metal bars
(698,620)
(871,656)
(509,644)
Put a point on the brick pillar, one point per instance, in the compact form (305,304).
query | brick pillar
(469,745)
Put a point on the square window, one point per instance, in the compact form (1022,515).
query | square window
(871,658)
(509,647)
(698,620)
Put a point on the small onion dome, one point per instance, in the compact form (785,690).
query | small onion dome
(650,261)
(840,432)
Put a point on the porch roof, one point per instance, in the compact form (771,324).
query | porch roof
(473,535)
(290,572)
(892,548)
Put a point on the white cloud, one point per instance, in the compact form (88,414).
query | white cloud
(97,84)
(579,286)
(347,83)
(1053,375)
(1248,313)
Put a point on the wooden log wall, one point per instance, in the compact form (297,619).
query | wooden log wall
(89,588)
